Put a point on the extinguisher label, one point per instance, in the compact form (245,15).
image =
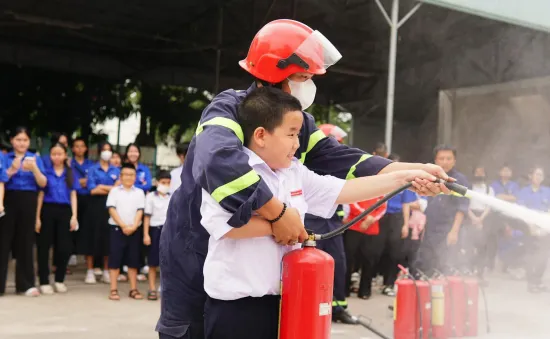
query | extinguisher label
(438,305)
(325,309)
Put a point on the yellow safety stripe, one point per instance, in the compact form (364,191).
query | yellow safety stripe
(351,174)
(456,194)
(224,122)
(341,213)
(340,303)
(235,186)
(314,138)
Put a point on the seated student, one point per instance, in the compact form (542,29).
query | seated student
(125,203)
(156,207)
(243,265)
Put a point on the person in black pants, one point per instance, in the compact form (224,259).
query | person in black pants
(56,217)
(537,197)
(363,247)
(25,172)
(394,230)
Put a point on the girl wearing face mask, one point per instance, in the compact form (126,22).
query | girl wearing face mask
(56,218)
(144,180)
(477,232)
(25,177)
(94,235)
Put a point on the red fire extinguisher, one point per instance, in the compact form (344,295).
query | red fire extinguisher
(471,286)
(412,308)
(458,303)
(306,293)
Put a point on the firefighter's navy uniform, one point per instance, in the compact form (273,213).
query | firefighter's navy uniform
(434,253)
(334,247)
(217,163)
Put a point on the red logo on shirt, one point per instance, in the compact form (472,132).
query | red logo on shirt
(296,193)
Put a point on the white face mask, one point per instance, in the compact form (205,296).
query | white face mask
(303,91)
(106,155)
(163,189)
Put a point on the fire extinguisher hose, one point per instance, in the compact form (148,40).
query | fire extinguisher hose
(450,185)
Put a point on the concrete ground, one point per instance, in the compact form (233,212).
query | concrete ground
(86,313)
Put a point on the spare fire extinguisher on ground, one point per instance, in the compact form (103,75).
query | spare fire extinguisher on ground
(306,284)
(412,308)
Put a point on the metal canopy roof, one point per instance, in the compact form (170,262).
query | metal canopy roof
(177,42)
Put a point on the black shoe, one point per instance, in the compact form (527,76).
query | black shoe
(390,307)
(344,318)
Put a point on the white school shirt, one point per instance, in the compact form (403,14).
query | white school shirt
(175,179)
(126,202)
(156,206)
(235,269)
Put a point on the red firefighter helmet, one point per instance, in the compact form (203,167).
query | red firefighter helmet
(284,47)
(333,131)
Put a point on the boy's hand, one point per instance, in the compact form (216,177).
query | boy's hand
(404,231)
(290,228)
(73,223)
(37,225)
(146,240)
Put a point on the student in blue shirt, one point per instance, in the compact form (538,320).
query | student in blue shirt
(55,138)
(56,218)
(144,180)
(94,234)
(25,176)
(536,197)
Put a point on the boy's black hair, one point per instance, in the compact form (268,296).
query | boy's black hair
(444,147)
(79,139)
(265,107)
(182,148)
(394,157)
(127,165)
(163,175)
(380,148)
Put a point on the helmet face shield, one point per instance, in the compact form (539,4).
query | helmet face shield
(318,52)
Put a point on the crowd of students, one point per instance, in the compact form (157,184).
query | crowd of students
(394,233)
(76,206)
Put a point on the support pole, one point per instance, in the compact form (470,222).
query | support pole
(391,73)
(219,50)
(394,24)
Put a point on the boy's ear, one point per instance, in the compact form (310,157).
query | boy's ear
(259,136)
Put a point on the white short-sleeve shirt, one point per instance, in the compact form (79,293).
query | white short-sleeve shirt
(235,269)
(126,202)
(156,206)
(175,179)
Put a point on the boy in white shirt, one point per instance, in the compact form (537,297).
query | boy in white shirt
(156,207)
(243,265)
(125,203)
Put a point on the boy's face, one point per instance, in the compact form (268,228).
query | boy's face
(127,177)
(445,159)
(165,182)
(537,177)
(505,173)
(79,148)
(278,148)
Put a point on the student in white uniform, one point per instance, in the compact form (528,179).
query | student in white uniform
(175,174)
(243,265)
(156,207)
(125,204)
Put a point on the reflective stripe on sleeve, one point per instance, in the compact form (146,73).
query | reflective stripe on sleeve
(314,138)
(224,122)
(235,186)
(341,213)
(351,174)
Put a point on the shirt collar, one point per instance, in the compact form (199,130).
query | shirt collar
(255,160)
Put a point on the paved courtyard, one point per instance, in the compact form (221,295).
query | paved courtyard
(86,313)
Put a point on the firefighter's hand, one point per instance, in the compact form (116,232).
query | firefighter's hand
(452,238)
(404,231)
(431,188)
(289,229)
(366,222)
